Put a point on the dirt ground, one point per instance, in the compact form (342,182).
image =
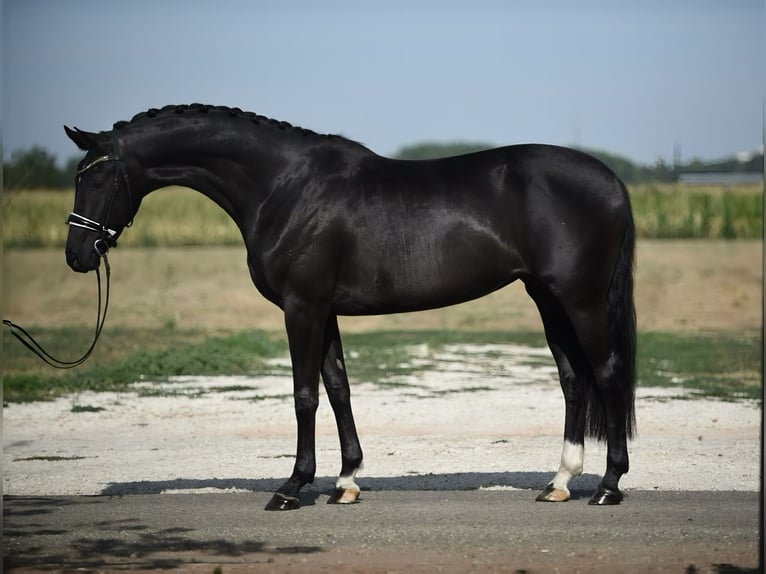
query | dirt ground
(499,435)
(682,285)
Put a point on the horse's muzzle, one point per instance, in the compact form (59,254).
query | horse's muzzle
(83,260)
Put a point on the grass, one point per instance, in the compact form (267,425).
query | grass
(722,365)
(183,217)
(124,356)
(174,216)
(86,409)
(719,365)
(48,458)
(707,212)
(384,358)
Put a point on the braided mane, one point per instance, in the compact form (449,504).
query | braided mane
(222,110)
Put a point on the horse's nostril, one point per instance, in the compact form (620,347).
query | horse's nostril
(72,259)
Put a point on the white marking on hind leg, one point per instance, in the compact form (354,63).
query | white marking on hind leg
(347,482)
(346,489)
(572,456)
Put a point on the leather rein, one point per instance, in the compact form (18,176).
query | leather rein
(106,239)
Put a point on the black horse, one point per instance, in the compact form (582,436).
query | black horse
(333,229)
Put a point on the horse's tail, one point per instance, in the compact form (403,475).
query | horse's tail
(621,315)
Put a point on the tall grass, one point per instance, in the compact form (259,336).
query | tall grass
(709,212)
(181,217)
(173,216)
(35,219)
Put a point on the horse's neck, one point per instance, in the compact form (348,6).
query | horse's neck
(236,173)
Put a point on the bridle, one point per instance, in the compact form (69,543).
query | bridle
(106,239)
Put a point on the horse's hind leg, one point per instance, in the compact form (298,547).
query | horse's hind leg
(595,364)
(562,341)
(610,409)
(336,383)
(616,418)
(573,451)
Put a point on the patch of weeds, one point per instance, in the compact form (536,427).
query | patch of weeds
(233,389)
(48,458)
(460,390)
(388,358)
(719,365)
(86,409)
(394,383)
(477,389)
(722,364)
(164,391)
(129,354)
(727,387)
(258,398)
(532,361)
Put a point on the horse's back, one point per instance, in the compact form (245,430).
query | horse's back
(422,234)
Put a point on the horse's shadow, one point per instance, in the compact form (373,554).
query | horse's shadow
(583,485)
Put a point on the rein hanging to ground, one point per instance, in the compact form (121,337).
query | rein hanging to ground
(106,238)
(30,343)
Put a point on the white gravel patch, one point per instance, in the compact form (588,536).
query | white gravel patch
(488,416)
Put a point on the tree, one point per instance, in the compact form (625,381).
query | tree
(34,168)
(626,170)
(433,150)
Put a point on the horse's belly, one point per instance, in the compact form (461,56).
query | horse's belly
(423,261)
(351,306)
(398,289)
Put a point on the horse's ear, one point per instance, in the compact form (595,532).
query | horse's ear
(84,140)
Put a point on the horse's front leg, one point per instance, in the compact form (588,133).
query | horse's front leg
(305,333)
(336,383)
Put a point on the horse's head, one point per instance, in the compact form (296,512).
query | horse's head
(103,205)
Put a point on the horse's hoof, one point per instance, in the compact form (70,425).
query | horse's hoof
(344,496)
(552,494)
(283,502)
(605,497)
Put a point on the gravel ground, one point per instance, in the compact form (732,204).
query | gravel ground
(486,419)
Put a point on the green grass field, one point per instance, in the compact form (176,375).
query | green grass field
(709,212)
(182,217)
(721,365)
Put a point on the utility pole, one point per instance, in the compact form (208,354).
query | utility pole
(676,155)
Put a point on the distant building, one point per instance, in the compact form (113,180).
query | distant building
(720,178)
(746,167)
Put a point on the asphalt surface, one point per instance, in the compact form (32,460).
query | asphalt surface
(388,531)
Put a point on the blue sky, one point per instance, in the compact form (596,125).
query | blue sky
(630,77)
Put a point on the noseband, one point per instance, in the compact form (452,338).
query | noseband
(107,236)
